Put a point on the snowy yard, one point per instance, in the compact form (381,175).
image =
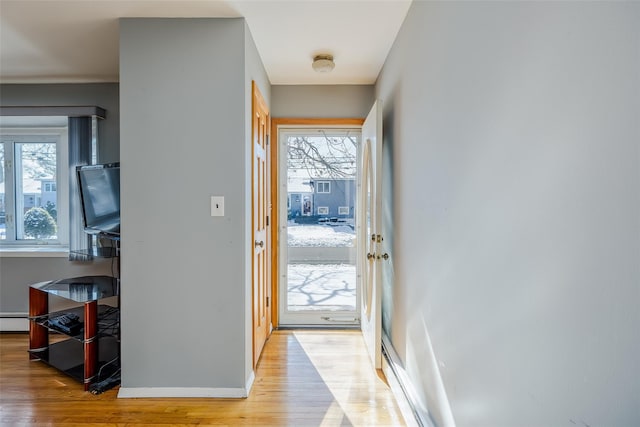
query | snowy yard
(321,287)
(321,235)
(318,279)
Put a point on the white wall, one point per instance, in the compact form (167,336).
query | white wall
(513,135)
(183,139)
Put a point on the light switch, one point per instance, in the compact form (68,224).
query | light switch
(217,205)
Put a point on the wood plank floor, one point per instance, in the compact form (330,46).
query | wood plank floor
(305,378)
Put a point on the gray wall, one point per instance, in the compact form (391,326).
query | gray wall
(514,141)
(335,101)
(254,71)
(185,274)
(17,273)
(103,95)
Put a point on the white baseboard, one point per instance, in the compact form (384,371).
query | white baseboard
(135,392)
(401,399)
(402,388)
(14,322)
(250,381)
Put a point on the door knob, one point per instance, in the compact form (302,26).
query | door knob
(259,243)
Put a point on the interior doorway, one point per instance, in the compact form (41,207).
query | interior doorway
(318,185)
(260,211)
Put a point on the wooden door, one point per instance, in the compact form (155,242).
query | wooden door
(260,207)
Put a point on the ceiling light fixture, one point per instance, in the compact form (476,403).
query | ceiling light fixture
(323,63)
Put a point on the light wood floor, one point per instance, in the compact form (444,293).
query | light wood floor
(305,378)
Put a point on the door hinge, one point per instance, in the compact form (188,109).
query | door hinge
(267,301)
(267,220)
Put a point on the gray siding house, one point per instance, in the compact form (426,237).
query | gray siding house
(321,197)
(334,197)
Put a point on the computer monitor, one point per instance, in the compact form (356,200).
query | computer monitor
(100,195)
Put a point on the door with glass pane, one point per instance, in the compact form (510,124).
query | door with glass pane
(372,258)
(318,183)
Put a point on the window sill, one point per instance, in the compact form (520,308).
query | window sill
(34,252)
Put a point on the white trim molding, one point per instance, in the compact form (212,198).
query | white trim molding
(406,409)
(250,380)
(406,395)
(33,252)
(14,322)
(192,392)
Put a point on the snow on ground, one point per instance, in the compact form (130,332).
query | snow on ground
(321,235)
(321,287)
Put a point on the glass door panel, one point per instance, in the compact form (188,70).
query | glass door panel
(3,199)
(318,174)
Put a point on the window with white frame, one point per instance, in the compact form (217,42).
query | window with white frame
(323,187)
(323,210)
(33,164)
(343,210)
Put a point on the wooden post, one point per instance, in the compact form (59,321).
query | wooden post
(90,342)
(38,306)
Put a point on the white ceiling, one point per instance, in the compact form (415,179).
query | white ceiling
(72,41)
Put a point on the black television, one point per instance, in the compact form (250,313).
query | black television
(100,196)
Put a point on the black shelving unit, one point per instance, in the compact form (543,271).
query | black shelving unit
(91,353)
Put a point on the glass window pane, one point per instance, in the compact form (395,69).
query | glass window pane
(321,195)
(3,209)
(36,198)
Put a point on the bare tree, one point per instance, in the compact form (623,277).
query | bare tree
(324,156)
(39,160)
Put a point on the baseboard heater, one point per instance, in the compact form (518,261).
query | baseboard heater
(402,386)
(14,322)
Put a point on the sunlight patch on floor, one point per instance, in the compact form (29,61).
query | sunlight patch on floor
(346,370)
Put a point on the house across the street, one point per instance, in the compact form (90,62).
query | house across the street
(321,197)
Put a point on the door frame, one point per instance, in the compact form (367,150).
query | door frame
(276,124)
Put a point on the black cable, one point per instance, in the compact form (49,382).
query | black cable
(107,364)
(111,310)
(106,384)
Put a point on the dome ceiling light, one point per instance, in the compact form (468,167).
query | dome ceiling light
(323,63)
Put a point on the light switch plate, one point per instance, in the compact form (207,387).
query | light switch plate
(217,205)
